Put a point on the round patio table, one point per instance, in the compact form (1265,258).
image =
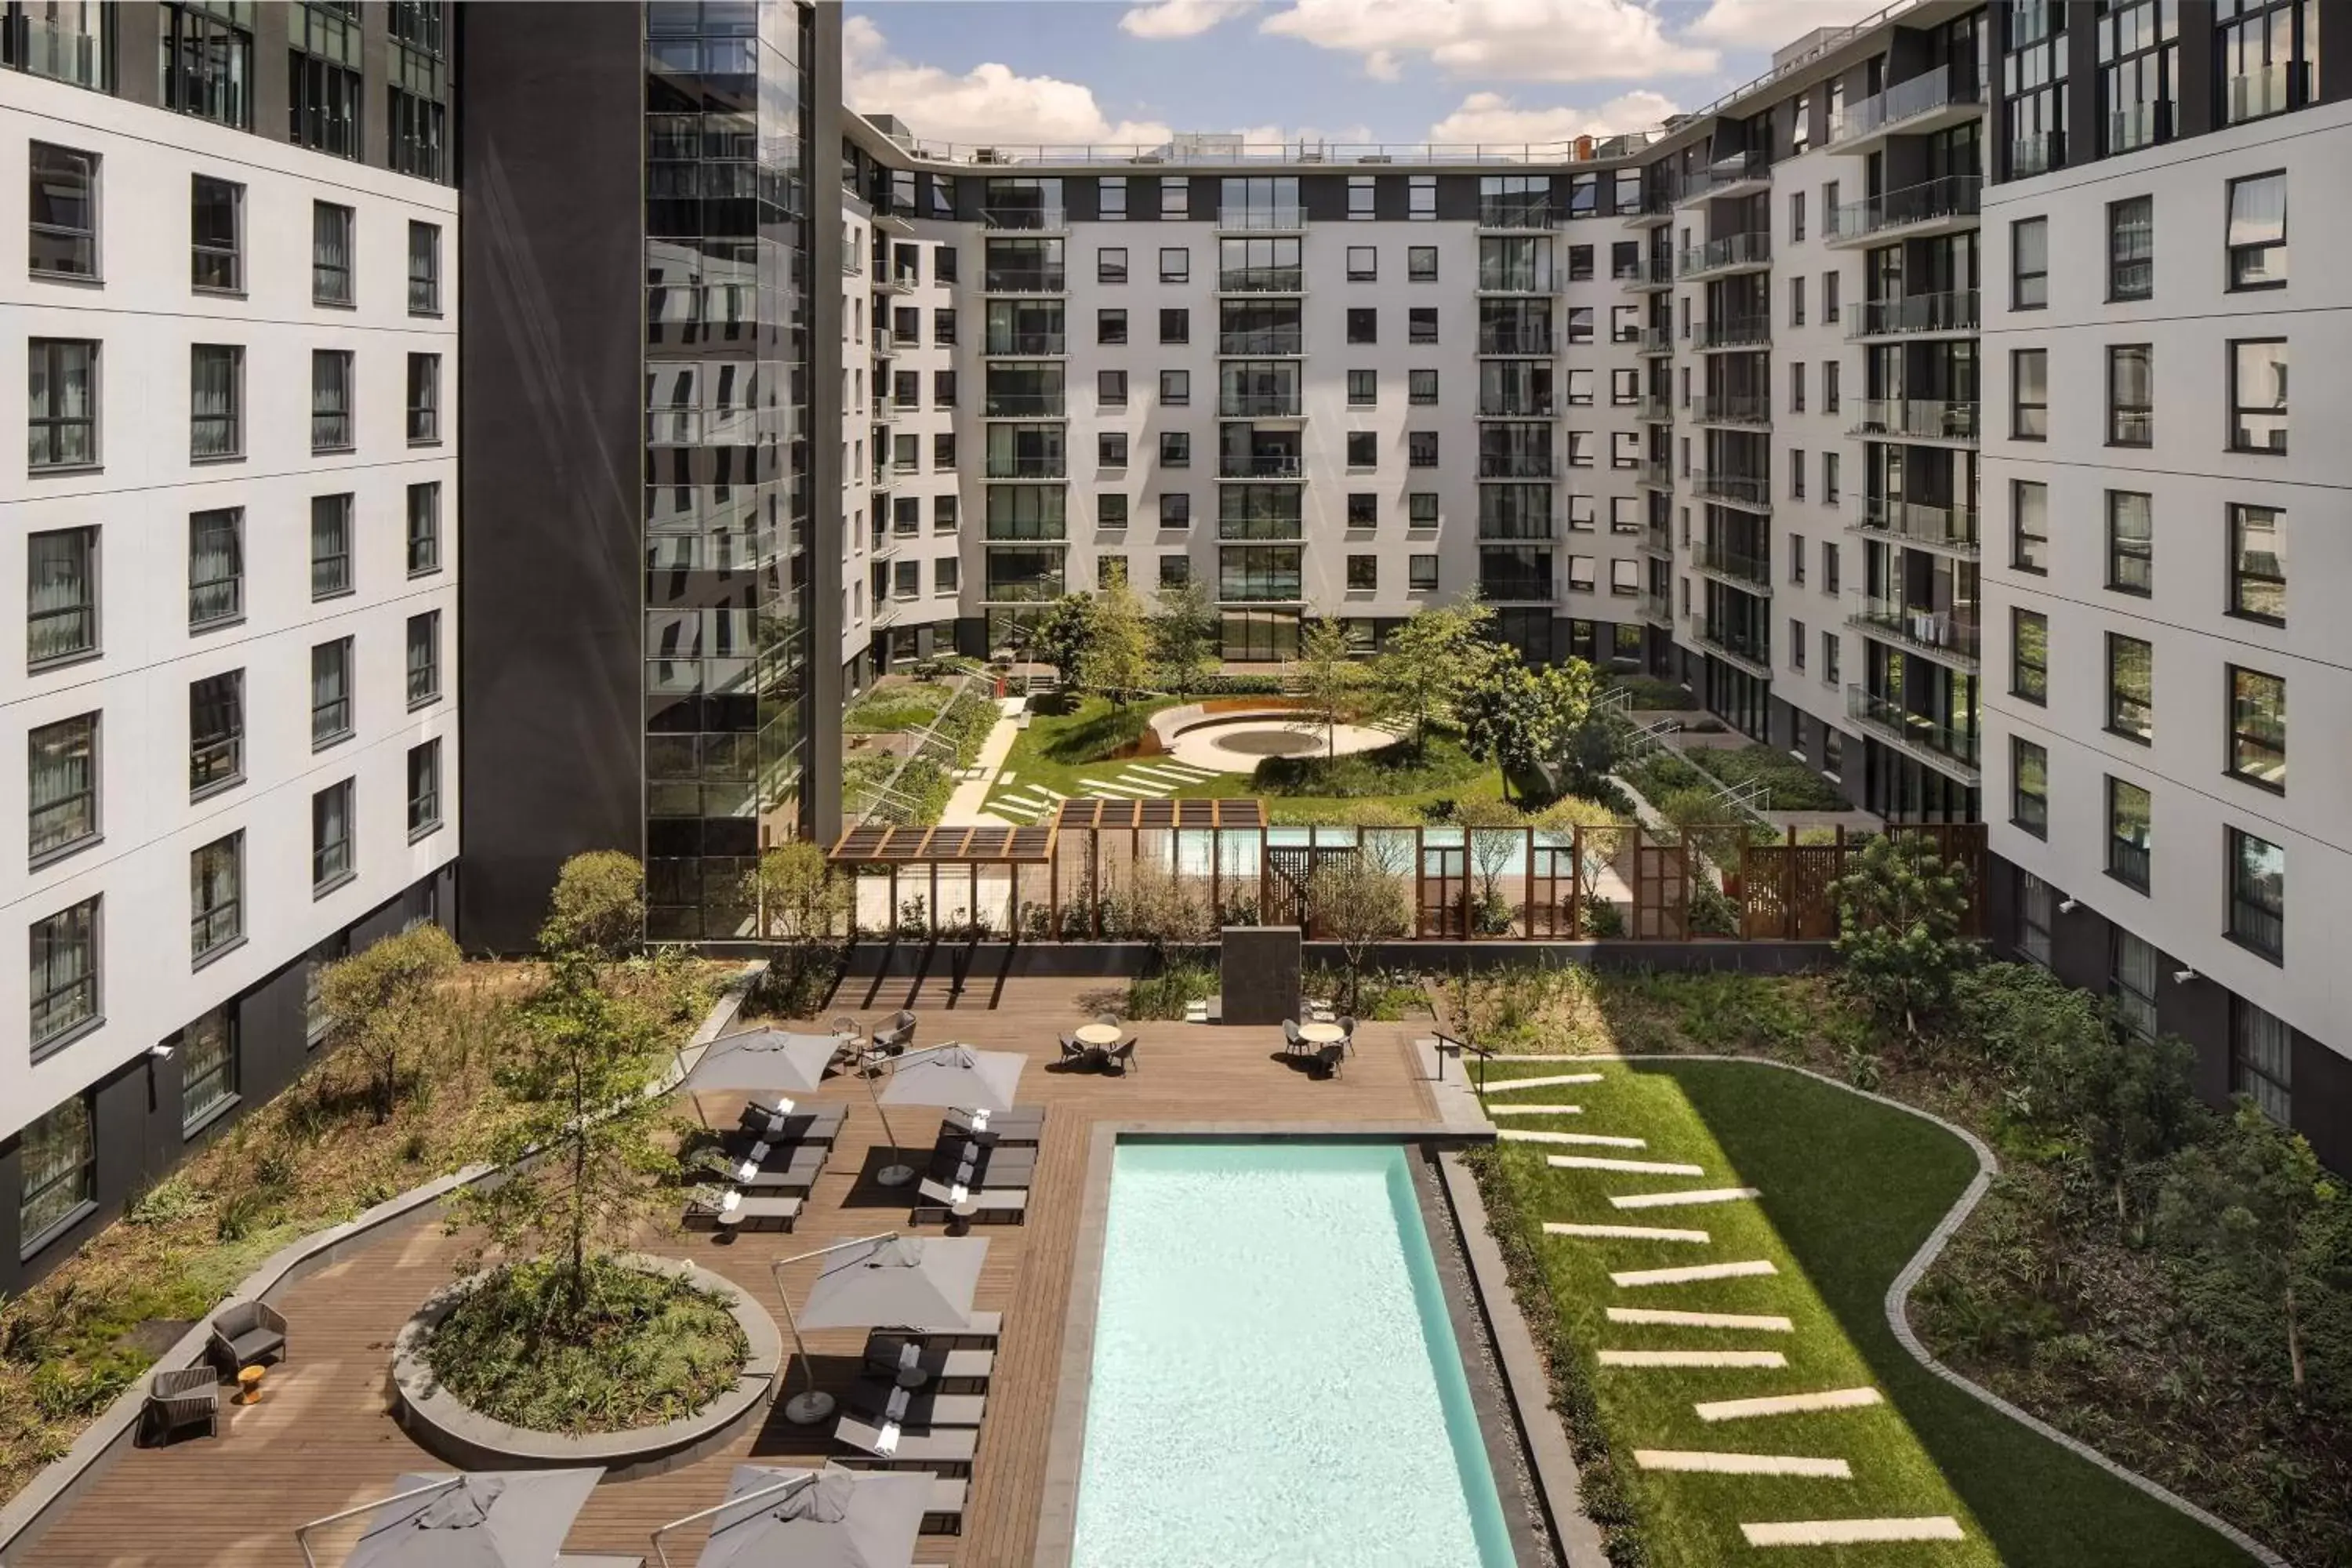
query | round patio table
(1321,1034)
(1102,1036)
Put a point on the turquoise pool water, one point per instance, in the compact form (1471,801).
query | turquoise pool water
(1276,1381)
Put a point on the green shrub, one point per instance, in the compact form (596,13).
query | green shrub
(1788,783)
(1094,732)
(1164,995)
(888,709)
(1652,695)
(1390,769)
(1662,773)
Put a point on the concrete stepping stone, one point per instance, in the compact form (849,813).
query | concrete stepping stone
(1048,794)
(1768,1359)
(1016,808)
(1785,1403)
(1626,1233)
(1122,790)
(1675,1200)
(1151,772)
(1535,1110)
(1644,1167)
(1694,1272)
(1543,1082)
(1660,1317)
(1601,1139)
(1702,1463)
(1851,1531)
(1007,776)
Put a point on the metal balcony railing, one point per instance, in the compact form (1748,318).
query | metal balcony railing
(1516,405)
(1740,564)
(1953,310)
(1920,418)
(1735,408)
(1024,405)
(1949,195)
(1259,405)
(1945,631)
(1506,278)
(1741,490)
(1751,249)
(1739,643)
(1025,280)
(1892,719)
(1923,94)
(1953,526)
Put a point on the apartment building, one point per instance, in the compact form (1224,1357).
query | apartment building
(2165,534)
(228,267)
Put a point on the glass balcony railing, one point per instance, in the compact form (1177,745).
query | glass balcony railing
(1291,341)
(2138,125)
(1655,607)
(1920,418)
(1741,489)
(1736,331)
(1515,405)
(1245,219)
(1740,564)
(1262,279)
(2036,155)
(1516,587)
(1752,250)
(1515,343)
(1655,409)
(1515,465)
(1945,631)
(1024,344)
(1647,272)
(1927,523)
(1953,310)
(2269,90)
(1951,196)
(1734,408)
(1738,642)
(1923,94)
(1738,169)
(1259,405)
(1039,217)
(1516,215)
(1655,475)
(1654,341)
(1024,406)
(1023,281)
(1891,718)
(1025,467)
(1262,466)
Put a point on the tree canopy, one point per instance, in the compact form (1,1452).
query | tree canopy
(1519,718)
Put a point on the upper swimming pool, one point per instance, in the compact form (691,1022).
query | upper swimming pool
(1275,1380)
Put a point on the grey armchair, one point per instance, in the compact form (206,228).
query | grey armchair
(246,1332)
(189,1396)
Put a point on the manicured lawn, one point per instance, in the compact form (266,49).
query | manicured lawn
(1849,1190)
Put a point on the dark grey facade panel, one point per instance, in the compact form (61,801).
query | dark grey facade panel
(828,542)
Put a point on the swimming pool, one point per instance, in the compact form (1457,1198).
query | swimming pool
(1275,1380)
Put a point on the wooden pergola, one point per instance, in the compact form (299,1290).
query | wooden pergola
(1139,815)
(894,847)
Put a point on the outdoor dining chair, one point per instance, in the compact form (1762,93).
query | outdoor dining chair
(1348,1032)
(1290,1034)
(1122,1056)
(187,1397)
(246,1332)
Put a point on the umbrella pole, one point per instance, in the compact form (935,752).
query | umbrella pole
(896,1174)
(812,1405)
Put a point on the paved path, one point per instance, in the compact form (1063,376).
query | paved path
(963,808)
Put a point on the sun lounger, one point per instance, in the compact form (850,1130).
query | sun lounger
(801,1124)
(945,1514)
(1022,1124)
(731,1209)
(924,1407)
(946,1450)
(978,1333)
(1004,1205)
(949,1370)
(786,1167)
(982,1165)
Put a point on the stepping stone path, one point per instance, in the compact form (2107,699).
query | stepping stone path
(1776,1532)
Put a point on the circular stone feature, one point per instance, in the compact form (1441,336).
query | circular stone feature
(1269,743)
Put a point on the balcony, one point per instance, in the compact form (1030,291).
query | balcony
(1260,219)
(1022,468)
(1750,653)
(1515,465)
(1750,252)
(1508,405)
(1519,216)
(1263,345)
(1950,635)
(1649,275)
(2272,89)
(1040,219)
(1024,406)
(1260,405)
(1941,205)
(1656,540)
(2136,126)
(1023,281)
(890,282)
(884,405)
(1262,466)
(1654,341)
(1026,346)
(1735,332)
(1749,572)
(1750,409)
(1656,608)
(886,343)
(1656,410)
(1916,315)
(1740,174)
(1917,419)
(1942,528)
(1532,345)
(1652,475)
(1262,280)
(1926,103)
(1516,587)
(1513,280)
(2038,154)
(1939,746)
(1752,492)
(1656,211)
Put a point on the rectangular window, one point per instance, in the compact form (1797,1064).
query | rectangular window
(1796,386)
(1175,264)
(63,212)
(215,567)
(1830,478)
(2030,526)
(1110,198)
(1420,263)
(216,402)
(2128,845)
(1421,509)
(60,595)
(1797,202)
(332,254)
(423,658)
(944,574)
(59,1160)
(423,528)
(1421,574)
(2131,394)
(216,896)
(1420,387)
(330,400)
(2029,260)
(1830,300)
(331,837)
(2036,909)
(1111,326)
(1175,571)
(209,1063)
(1363,264)
(1110,570)
(424,268)
(2262,1059)
(65,982)
(1111,449)
(2131,542)
(1797,300)
(1363,573)
(2131,984)
(2258,727)
(2131,249)
(1364,449)
(2029,384)
(1176,326)
(1175,448)
(331,692)
(1796,642)
(1420,448)
(1110,264)
(215,235)
(216,733)
(2029,648)
(2258,396)
(1175,196)
(943,327)
(61,786)
(1359,197)
(2257,895)
(1579,264)
(324,98)
(1363,325)
(2029,769)
(61,419)
(2131,688)
(423,399)
(2258,563)
(1176,388)
(1175,510)
(1363,388)
(331,546)
(1420,197)
(2257,234)
(1421,324)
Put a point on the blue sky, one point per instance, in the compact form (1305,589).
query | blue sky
(1009,71)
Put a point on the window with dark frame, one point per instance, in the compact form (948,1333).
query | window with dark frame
(424,268)
(1421,324)
(2258,396)
(215,235)
(2129,845)
(2029,648)
(1363,573)
(215,567)
(423,399)
(215,919)
(2257,894)
(2029,262)
(60,595)
(61,418)
(58,1151)
(1420,448)
(1110,264)
(2257,235)
(1363,388)
(2029,389)
(1364,449)
(2262,1060)
(65,982)
(1175,388)
(2029,772)
(62,215)
(2131,983)
(1110,388)
(1363,324)
(423,658)
(1175,264)
(1363,509)
(2131,542)
(1176,326)
(2258,563)
(1175,448)
(61,781)
(1111,449)
(1421,509)
(2030,526)
(330,400)
(1421,574)
(1363,264)
(1420,387)
(216,402)
(330,694)
(2131,688)
(330,545)
(2131,394)
(1175,509)
(2131,249)
(331,837)
(216,733)
(1420,263)
(1111,326)
(331,258)
(2258,727)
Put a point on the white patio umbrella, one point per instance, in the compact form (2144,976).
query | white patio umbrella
(953,1076)
(484,1518)
(831,1518)
(888,1282)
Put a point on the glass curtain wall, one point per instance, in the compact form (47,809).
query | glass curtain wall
(727,492)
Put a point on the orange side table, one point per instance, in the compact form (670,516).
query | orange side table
(248,1385)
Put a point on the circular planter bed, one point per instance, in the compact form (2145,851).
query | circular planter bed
(473,1439)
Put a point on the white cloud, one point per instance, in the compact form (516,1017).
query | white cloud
(1180,18)
(988,104)
(1510,40)
(1491,117)
(1772,24)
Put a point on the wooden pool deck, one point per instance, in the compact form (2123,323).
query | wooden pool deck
(320,1440)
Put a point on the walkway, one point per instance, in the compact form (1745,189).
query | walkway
(963,807)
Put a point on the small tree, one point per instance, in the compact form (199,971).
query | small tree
(1519,718)
(1492,853)
(2131,1105)
(1431,660)
(801,903)
(1184,636)
(598,907)
(1359,904)
(1168,913)
(1117,662)
(380,1005)
(1899,914)
(1328,675)
(1603,834)
(2253,1207)
(583,1143)
(1063,633)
